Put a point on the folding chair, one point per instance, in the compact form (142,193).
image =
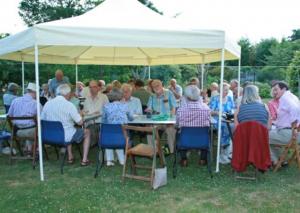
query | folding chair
(15,138)
(53,134)
(142,150)
(291,146)
(193,138)
(111,137)
(250,147)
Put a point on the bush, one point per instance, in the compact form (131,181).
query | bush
(264,90)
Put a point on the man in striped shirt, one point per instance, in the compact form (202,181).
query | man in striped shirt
(194,113)
(61,109)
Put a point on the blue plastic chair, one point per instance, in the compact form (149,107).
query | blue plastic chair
(110,137)
(53,134)
(193,138)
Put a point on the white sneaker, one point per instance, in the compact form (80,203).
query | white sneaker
(121,163)
(224,159)
(110,163)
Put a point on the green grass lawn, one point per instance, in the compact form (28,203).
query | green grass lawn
(192,191)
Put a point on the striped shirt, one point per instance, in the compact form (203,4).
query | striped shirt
(193,114)
(60,109)
(24,106)
(253,112)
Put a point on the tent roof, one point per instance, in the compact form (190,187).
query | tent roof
(118,32)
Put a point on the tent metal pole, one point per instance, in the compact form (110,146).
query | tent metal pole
(23,78)
(36,61)
(76,73)
(220,110)
(239,77)
(202,76)
(149,72)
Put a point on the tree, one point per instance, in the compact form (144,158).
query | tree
(295,36)
(248,52)
(262,50)
(294,73)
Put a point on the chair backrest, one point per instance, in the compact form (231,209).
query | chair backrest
(111,137)
(194,138)
(6,108)
(53,133)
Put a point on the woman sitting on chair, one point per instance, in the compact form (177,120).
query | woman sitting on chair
(227,107)
(115,112)
(251,108)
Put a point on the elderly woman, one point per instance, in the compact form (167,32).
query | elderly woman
(115,112)
(10,95)
(227,107)
(194,113)
(251,108)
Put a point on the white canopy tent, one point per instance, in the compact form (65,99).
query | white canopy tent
(118,32)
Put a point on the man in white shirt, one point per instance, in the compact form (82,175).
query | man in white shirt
(134,104)
(60,109)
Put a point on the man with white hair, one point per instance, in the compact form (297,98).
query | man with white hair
(194,113)
(58,80)
(175,88)
(61,109)
(134,104)
(25,106)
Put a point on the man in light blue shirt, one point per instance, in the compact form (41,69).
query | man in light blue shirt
(162,101)
(134,104)
(176,89)
(58,80)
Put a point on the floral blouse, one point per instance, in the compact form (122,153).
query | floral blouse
(116,113)
(228,106)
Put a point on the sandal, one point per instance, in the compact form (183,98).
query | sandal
(85,163)
(71,161)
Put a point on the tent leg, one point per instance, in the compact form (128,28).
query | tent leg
(220,110)
(76,73)
(239,78)
(36,61)
(23,79)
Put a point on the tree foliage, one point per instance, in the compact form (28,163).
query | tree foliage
(294,73)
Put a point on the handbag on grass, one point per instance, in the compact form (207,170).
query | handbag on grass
(160,177)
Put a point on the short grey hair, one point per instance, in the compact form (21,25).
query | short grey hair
(12,87)
(192,92)
(63,89)
(251,95)
(115,95)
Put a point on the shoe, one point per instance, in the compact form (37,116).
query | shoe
(85,163)
(202,162)
(121,163)
(183,163)
(71,161)
(224,160)
(110,163)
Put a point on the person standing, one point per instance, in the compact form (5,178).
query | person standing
(58,80)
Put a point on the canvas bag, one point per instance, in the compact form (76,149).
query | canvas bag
(160,174)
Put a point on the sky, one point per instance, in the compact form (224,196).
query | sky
(253,19)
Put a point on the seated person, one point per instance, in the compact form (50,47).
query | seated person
(141,93)
(61,109)
(45,91)
(163,102)
(251,108)
(25,106)
(134,104)
(287,113)
(10,95)
(273,105)
(115,112)
(227,107)
(175,88)
(194,113)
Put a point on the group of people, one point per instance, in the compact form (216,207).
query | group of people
(118,103)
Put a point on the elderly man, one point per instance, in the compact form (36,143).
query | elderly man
(193,114)
(175,88)
(141,93)
(234,83)
(163,102)
(61,109)
(25,106)
(58,80)
(214,89)
(134,104)
(194,81)
(10,95)
(288,112)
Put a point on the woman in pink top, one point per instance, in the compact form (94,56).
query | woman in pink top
(273,106)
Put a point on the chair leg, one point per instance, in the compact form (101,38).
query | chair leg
(11,152)
(297,153)
(34,154)
(281,158)
(124,167)
(79,150)
(19,148)
(56,151)
(209,163)
(45,151)
(97,163)
(63,161)
(175,163)
(133,165)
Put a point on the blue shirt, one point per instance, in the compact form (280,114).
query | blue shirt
(228,106)
(116,113)
(134,106)
(162,104)
(8,98)
(54,84)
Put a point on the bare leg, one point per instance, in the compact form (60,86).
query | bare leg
(70,154)
(86,144)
